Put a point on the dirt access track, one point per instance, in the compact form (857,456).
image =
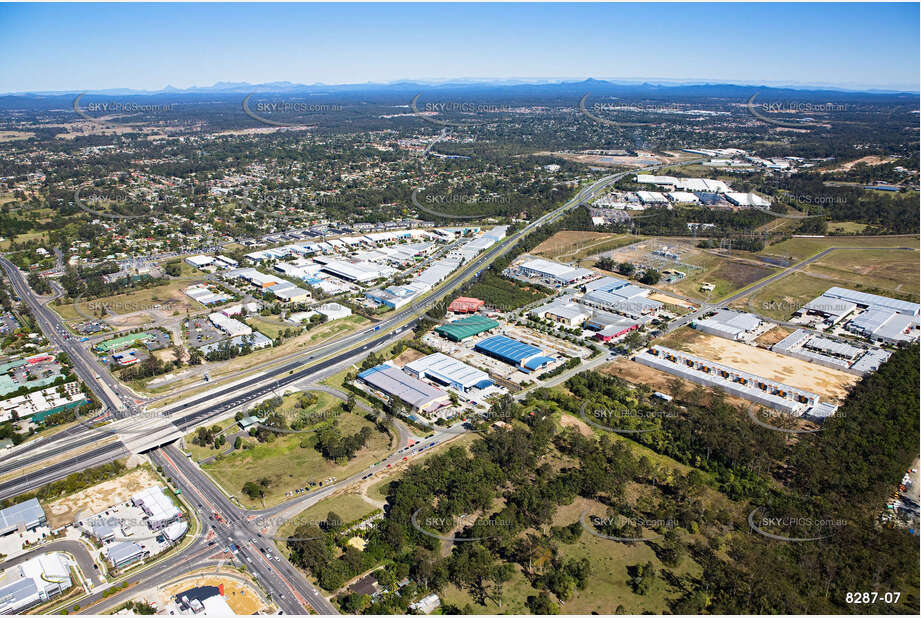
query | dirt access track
(829,383)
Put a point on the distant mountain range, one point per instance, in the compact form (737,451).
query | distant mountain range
(506,86)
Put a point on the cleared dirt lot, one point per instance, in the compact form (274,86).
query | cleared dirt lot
(828,383)
(636,373)
(100,497)
(775,335)
(407,356)
(244,599)
(671,300)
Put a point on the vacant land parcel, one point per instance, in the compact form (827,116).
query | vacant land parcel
(888,272)
(574,246)
(291,461)
(828,383)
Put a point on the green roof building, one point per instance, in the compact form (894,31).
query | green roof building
(461,329)
(122,342)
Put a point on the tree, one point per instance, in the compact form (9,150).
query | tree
(626,268)
(253,490)
(651,276)
(542,604)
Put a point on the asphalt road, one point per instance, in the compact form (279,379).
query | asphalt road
(256,387)
(85,365)
(57,471)
(75,548)
(288,587)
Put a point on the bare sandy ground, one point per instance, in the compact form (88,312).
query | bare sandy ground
(98,498)
(243,599)
(827,382)
(636,373)
(570,421)
(671,300)
(869,160)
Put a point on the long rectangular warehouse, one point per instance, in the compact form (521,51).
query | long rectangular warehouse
(775,395)
(461,329)
(394,383)
(525,357)
(28,515)
(448,371)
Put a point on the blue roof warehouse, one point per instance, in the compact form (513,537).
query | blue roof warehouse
(526,357)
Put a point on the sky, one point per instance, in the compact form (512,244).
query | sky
(78,47)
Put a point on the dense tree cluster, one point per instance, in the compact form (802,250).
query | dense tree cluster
(337,447)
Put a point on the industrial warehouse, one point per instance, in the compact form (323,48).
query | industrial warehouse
(463,304)
(830,353)
(158,507)
(553,272)
(467,327)
(621,296)
(448,371)
(567,311)
(526,358)
(34,581)
(395,384)
(775,395)
(26,515)
(730,324)
(881,318)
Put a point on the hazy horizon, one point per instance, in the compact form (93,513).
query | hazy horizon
(92,47)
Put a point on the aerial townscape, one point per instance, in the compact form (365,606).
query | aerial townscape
(376,325)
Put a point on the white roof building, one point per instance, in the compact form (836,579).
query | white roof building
(447,371)
(729,324)
(358,272)
(564,310)
(160,509)
(651,197)
(334,311)
(199,260)
(34,581)
(553,270)
(229,325)
(683,197)
(747,199)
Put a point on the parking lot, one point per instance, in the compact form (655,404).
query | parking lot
(200,331)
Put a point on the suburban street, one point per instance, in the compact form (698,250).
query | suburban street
(288,586)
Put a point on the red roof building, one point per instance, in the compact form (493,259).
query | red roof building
(462,304)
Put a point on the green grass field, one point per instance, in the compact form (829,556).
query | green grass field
(133,301)
(288,465)
(349,508)
(801,248)
(727,276)
(784,297)
(846,227)
(895,271)
(378,491)
(336,327)
(267,326)
(201,452)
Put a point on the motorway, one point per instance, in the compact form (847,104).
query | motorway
(287,585)
(221,400)
(107,388)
